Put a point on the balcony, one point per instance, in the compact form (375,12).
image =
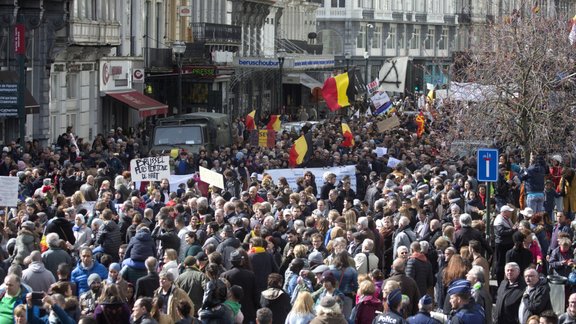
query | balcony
(216,34)
(94,33)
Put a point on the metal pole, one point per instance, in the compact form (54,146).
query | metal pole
(280,88)
(488,190)
(21,54)
(180,84)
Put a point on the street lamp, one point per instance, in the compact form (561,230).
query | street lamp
(366,57)
(347,56)
(178,48)
(281,53)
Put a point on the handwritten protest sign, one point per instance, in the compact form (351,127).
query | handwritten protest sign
(212,177)
(150,169)
(388,123)
(9,191)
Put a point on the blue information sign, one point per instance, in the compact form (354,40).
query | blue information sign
(487,165)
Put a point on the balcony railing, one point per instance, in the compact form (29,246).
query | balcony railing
(216,33)
(91,32)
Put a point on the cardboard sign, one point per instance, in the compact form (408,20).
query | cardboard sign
(212,177)
(9,191)
(150,169)
(266,138)
(388,123)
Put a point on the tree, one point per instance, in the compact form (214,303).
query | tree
(522,70)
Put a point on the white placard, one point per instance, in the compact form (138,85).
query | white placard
(380,151)
(9,191)
(150,169)
(393,162)
(212,177)
(292,175)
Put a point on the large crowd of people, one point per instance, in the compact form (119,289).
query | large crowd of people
(407,244)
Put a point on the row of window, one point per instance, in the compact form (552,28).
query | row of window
(433,6)
(398,38)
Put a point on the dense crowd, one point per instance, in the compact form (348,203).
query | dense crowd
(406,245)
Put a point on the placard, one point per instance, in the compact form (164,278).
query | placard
(150,169)
(388,123)
(212,177)
(9,191)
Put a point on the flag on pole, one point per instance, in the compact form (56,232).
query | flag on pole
(348,137)
(368,112)
(250,124)
(421,123)
(339,91)
(382,102)
(274,123)
(357,113)
(301,150)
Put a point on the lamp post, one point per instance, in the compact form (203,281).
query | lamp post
(179,47)
(367,57)
(281,53)
(347,56)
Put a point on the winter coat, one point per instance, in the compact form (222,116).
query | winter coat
(522,256)
(389,317)
(366,309)
(26,242)
(329,319)
(422,318)
(279,303)
(294,318)
(110,239)
(362,265)
(226,248)
(192,282)
(168,240)
(54,257)
(245,279)
(419,268)
(220,314)
(80,275)
(403,237)
(470,313)
(7,304)
(467,234)
(141,247)
(508,301)
(409,288)
(112,313)
(483,298)
(176,295)
(536,300)
(62,227)
(503,231)
(557,259)
(263,265)
(347,283)
(38,277)
(533,177)
(566,319)
(146,285)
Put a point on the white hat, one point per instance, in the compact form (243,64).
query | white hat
(527,212)
(506,208)
(557,157)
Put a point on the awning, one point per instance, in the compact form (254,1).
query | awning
(31,105)
(303,79)
(145,105)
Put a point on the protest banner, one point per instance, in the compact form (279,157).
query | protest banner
(212,177)
(150,169)
(292,175)
(380,151)
(393,162)
(9,191)
(266,138)
(388,123)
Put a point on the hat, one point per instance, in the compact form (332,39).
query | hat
(506,208)
(47,181)
(114,266)
(527,212)
(28,225)
(94,278)
(316,257)
(320,269)
(201,256)
(6,149)
(394,297)
(254,175)
(328,301)
(459,286)
(328,275)
(466,220)
(557,157)
(236,256)
(426,300)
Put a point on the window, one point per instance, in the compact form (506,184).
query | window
(391,40)
(338,3)
(54,88)
(71,85)
(70,119)
(377,37)
(443,39)
(360,37)
(178,135)
(415,40)
(429,40)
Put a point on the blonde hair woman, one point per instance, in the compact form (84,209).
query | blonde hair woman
(303,309)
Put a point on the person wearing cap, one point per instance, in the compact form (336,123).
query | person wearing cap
(191,281)
(467,233)
(328,311)
(241,276)
(89,299)
(503,231)
(393,315)
(464,308)
(425,306)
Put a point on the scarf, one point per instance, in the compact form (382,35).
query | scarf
(76,228)
(257,249)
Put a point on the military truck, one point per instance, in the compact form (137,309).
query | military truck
(190,132)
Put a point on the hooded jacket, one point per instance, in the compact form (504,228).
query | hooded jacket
(54,257)
(420,269)
(279,303)
(110,239)
(141,246)
(38,277)
(536,300)
(26,242)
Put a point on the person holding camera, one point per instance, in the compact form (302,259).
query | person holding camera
(54,306)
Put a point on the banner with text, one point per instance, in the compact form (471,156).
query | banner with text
(292,175)
(150,169)
(9,191)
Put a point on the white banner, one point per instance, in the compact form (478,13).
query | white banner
(379,99)
(150,169)
(393,74)
(9,191)
(292,175)
(212,177)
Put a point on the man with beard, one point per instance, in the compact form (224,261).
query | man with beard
(89,299)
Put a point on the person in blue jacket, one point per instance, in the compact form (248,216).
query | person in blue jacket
(425,306)
(54,306)
(87,266)
(464,308)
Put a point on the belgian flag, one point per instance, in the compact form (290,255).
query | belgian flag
(348,137)
(250,124)
(274,123)
(339,91)
(301,150)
